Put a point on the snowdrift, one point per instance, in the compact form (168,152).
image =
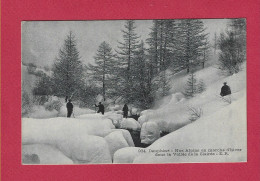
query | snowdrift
(89,138)
(223,129)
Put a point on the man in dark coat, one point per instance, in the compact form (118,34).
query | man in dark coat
(125,111)
(101,108)
(69,108)
(225,90)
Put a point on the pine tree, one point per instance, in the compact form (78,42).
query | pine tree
(43,86)
(126,51)
(191,86)
(201,87)
(232,45)
(162,43)
(205,52)
(153,48)
(68,69)
(192,37)
(103,68)
(142,85)
(215,42)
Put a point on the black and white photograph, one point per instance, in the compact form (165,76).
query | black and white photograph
(133,91)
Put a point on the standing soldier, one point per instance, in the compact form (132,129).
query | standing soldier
(225,90)
(101,108)
(125,111)
(69,108)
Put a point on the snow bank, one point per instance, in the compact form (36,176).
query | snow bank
(46,130)
(114,116)
(142,119)
(149,133)
(225,128)
(41,113)
(174,109)
(89,138)
(130,123)
(115,141)
(85,149)
(126,155)
(127,136)
(47,154)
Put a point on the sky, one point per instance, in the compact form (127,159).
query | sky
(41,40)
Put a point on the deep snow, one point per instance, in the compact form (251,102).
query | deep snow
(89,138)
(221,126)
(92,138)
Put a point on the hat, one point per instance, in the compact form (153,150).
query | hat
(225,83)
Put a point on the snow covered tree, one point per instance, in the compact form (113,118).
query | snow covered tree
(192,38)
(142,86)
(103,68)
(43,86)
(195,113)
(191,86)
(229,59)
(68,69)
(26,101)
(232,45)
(126,51)
(162,43)
(205,52)
(215,42)
(161,84)
(153,48)
(201,87)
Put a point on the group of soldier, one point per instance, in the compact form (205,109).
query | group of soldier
(225,90)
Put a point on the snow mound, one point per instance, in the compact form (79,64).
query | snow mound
(149,133)
(127,136)
(130,123)
(85,149)
(115,141)
(116,118)
(126,155)
(47,130)
(142,119)
(47,154)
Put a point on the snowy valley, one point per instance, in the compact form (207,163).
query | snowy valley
(164,91)
(93,138)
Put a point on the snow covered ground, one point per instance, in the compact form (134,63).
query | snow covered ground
(89,138)
(221,126)
(92,138)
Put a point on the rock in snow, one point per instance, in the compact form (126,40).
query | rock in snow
(130,123)
(149,133)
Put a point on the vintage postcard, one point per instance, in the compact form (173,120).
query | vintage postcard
(134,91)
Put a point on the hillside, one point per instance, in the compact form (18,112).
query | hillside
(221,125)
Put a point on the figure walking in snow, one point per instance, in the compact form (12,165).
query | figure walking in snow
(225,90)
(125,111)
(69,108)
(101,108)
